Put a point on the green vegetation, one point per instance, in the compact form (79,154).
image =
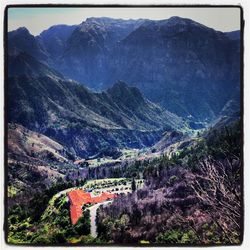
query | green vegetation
(113,184)
(46,220)
(195,194)
(54,226)
(27,221)
(176,236)
(12,191)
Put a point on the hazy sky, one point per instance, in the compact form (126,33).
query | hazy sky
(39,19)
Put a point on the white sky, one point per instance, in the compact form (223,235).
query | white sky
(38,19)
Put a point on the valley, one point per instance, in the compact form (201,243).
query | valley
(124,132)
(97,178)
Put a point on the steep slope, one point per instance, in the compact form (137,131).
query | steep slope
(26,145)
(233,35)
(34,162)
(229,115)
(189,68)
(135,107)
(54,39)
(21,40)
(184,66)
(168,139)
(23,64)
(88,47)
(76,117)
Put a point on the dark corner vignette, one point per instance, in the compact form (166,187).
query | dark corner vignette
(70,152)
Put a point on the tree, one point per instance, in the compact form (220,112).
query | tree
(218,188)
(133,185)
(59,237)
(169,237)
(83,225)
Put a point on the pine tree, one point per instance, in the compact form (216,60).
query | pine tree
(133,185)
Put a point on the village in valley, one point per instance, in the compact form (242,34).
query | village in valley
(94,194)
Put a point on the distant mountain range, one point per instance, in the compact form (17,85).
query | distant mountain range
(42,100)
(184,66)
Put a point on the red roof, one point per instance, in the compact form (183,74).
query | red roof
(103,197)
(75,213)
(78,198)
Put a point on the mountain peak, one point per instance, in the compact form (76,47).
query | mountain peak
(58,27)
(20,31)
(122,90)
(179,20)
(103,19)
(23,29)
(172,22)
(120,84)
(176,20)
(107,20)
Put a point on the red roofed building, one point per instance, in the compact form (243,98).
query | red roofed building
(103,197)
(78,198)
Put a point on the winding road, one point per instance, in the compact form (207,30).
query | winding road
(92,210)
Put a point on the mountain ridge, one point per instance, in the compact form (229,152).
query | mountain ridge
(145,53)
(74,115)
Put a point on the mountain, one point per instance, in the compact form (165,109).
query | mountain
(25,145)
(42,100)
(230,114)
(111,131)
(104,32)
(23,64)
(233,35)
(184,66)
(32,161)
(168,139)
(89,47)
(54,39)
(21,40)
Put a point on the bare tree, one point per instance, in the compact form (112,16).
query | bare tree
(218,187)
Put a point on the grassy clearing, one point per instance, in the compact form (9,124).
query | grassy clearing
(12,191)
(130,153)
(127,154)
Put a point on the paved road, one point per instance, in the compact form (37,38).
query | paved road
(93,210)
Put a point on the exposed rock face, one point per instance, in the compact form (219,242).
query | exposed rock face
(190,69)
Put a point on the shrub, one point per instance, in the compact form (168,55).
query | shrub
(83,225)
(169,237)
(41,239)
